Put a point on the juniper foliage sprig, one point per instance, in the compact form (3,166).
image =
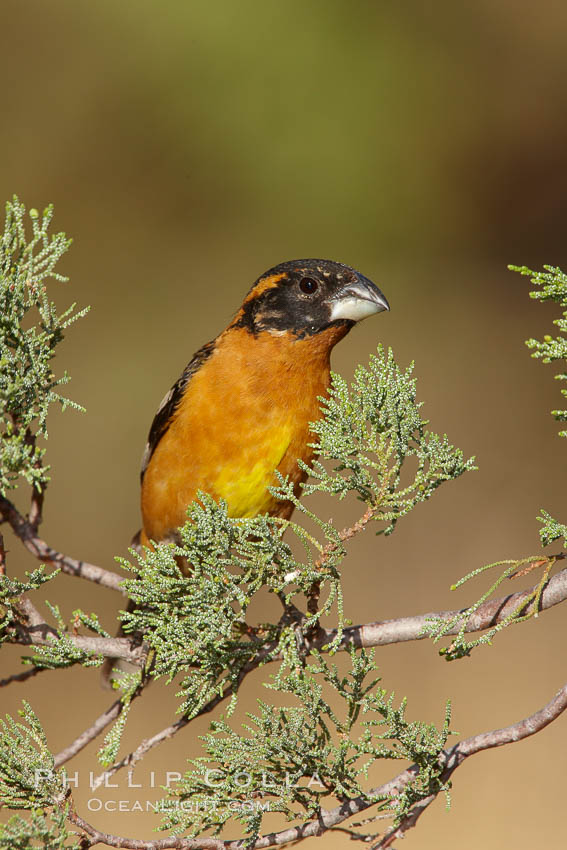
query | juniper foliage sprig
(291,758)
(129,684)
(11,589)
(28,779)
(438,628)
(31,328)
(552,283)
(551,530)
(46,829)
(197,624)
(369,431)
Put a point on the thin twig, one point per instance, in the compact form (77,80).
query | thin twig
(372,634)
(2,556)
(450,760)
(24,529)
(99,725)
(35,515)
(22,677)
(347,533)
(453,758)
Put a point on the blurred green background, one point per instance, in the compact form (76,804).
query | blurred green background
(190,146)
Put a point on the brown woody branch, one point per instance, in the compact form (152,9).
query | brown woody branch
(91,836)
(372,634)
(26,530)
(380,633)
(22,677)
(489,614)
(35,515)
(2,557)
(105,719)
(449,760)
(36,632)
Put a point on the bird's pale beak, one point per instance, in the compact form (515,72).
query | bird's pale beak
(358,299)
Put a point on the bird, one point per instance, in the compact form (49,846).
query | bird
(243,405)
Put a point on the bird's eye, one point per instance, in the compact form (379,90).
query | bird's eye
(308,285)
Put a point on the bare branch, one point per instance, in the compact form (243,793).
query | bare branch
(99,725)
(22,677)
(27,532)
(487,615)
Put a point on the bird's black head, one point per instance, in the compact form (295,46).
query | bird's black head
(305,297)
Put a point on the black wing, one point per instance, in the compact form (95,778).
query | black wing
(171,402)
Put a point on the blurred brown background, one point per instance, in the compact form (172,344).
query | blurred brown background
(188,147)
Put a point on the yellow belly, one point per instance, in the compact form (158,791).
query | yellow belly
(245,413)
(245,489)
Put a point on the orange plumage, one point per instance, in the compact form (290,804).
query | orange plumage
(242,407)
(245,413)
(246,405)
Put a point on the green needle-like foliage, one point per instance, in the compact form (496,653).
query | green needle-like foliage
(45,831)
(552,283)
(28,778)
(369,432)
(129,684)
(31,327)
(551,530)
(552,286)
(293,759)
(11,589)
(315,738)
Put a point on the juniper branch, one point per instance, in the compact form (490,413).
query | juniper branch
(42,634)
(92,836)
(450,759)
(21,677)
(108,716)
(380,633)
(489,614)
(26,531)
(453,758)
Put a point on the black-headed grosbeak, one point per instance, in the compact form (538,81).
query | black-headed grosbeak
(242,407)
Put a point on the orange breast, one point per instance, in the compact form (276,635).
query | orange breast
(245,413)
